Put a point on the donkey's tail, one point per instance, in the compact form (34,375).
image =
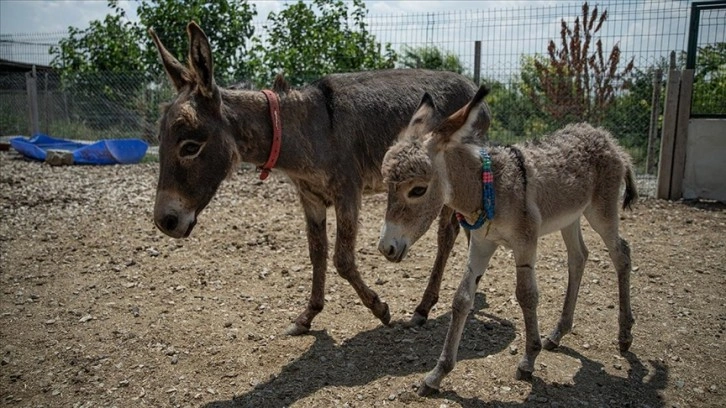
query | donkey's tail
(631,193)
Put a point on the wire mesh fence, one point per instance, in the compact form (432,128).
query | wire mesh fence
(94,106)
(513,41)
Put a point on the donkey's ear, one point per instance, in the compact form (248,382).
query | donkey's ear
(178,74)
(423,119)
(200,59)
(465,121)
(280,85)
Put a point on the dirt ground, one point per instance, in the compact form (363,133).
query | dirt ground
(100,309)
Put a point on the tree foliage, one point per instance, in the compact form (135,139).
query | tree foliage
(309,39)
(709,82)
(110,45)
(227,23)
(430,57)
(576,81)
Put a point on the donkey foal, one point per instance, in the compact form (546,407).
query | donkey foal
(539,188)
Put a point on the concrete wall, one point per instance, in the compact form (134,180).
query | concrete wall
(705,172)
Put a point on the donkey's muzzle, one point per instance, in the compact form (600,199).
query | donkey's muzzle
(393,252)
(393,243)
(172,216)
(171,225)
(169,222)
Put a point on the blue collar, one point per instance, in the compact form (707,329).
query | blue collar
(487,195)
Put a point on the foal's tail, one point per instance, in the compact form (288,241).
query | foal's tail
(631,193)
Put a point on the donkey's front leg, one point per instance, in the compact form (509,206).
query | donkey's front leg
(528,297)
(446,237)
(347,208)
(479,256)
(315,218)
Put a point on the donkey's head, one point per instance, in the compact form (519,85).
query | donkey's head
(196,152)
(415,171)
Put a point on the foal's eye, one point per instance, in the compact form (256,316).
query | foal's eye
(417,192)
(190,148)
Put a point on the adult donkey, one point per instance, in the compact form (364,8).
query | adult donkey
(329,138)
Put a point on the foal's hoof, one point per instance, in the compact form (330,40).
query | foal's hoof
(523,375)
(417,320)
(548,344)
(296,329)
(424,390)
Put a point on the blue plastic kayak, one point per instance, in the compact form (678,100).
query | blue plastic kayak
(108,151)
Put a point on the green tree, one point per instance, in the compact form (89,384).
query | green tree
(307,40)
(577,81)
(227,24)
(94,65)
(709,82)
(111,45)
(430,57)
(514,116)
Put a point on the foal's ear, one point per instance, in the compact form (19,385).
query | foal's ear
(200,59)
(178,74)
(463,122)
(423,119)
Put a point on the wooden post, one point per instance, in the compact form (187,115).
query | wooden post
(31,85)
(477,61)
(667,140)
(653,131)
(679,145)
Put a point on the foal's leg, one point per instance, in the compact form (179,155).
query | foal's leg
(479,255)
(528,297)
(576,258)
(315,219)
(604,220)
(347,207)
(448,230)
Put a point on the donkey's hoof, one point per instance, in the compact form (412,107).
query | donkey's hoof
(424,390)
(385,315)
(523,375)
(625,345)
(548,344)
(417,320)
(296,329)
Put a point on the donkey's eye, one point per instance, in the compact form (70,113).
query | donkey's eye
(190,148)
(417,192)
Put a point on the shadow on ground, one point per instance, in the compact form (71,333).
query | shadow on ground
(397,351)
(593,386)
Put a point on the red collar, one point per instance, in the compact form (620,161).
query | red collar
(274,103)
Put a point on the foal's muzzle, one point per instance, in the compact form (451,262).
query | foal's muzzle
(392,244)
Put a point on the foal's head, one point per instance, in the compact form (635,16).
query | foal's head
(415,173)
(196,152)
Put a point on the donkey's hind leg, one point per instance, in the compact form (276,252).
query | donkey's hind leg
(448,230)
(605,222)
(347,207)
(576,258)
(315,219)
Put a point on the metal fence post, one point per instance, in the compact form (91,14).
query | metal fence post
(477,61)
